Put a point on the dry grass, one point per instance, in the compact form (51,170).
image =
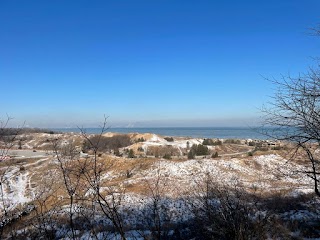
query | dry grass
(160,151)
(131,176)
(124,169)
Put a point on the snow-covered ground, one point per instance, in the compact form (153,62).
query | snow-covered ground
(14,187)
(156,140)
(268,173)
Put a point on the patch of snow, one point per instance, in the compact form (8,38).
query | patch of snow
(183,175)
(301,215)
(156,138)
(14,188)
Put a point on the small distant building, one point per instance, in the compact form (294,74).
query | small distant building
(274,144)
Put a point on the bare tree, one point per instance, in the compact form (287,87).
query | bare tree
(66,155)
(86,186)
(7,140)
(294,115)
(107,197)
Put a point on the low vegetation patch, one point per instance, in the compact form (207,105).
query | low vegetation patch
(159,151)
(211,142)
(232,141)
(169,139)
(105,144)
(198,150)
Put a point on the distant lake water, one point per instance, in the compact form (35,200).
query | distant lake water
(195,132)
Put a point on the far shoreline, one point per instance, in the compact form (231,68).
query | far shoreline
(192,132)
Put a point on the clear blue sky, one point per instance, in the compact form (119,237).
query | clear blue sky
(150,63)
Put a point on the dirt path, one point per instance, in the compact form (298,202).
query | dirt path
(27,153)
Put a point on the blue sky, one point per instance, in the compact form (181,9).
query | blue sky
(149,63)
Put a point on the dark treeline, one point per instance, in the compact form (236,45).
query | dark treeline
(18,131)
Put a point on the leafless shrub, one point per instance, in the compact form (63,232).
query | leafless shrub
(73,171)
(224,212)
(156,213)
(105,197)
